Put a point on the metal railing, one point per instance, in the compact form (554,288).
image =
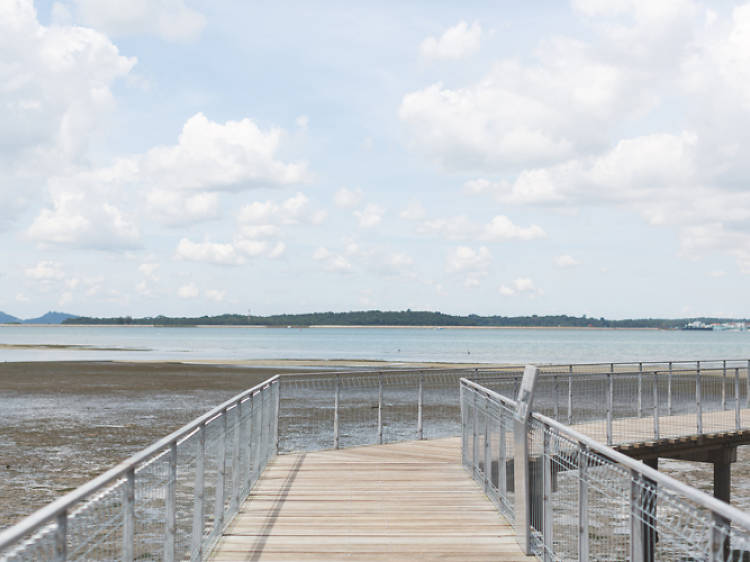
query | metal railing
(170,501)
(347,409)
(627,401)
(647,402)
(572,497)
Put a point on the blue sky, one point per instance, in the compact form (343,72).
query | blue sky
(187,158)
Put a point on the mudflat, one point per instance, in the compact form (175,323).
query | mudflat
(63,423)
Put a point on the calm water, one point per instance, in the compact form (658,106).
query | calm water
(396,344)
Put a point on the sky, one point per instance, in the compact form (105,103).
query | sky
(185,158)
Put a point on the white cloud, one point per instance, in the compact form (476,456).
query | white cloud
(215,295)
(462,227)
(413,212)
(456,42)
(370,216)
(76,220)
(464,258)
(208,252)
(459,227)
(171,20)
(149,270)
(295,210)
(348,198)
(56,91)
(523,115)
(566,260)
(252,248)
(501,228)
(235,155)
(65,298)
(175,208)
(177,184)
(520,286)
(189,291)
(331,261)
(45,271)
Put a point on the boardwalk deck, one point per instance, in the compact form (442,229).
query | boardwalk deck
(403,501)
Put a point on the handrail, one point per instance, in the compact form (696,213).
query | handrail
(662,479)
(543,446)
(48,513)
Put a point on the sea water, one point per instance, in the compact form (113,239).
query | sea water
(455,345)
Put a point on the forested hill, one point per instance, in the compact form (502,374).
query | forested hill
(395,318)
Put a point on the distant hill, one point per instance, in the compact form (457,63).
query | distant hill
(7,318)
(51,317)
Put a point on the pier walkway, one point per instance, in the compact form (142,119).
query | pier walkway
(402,501)
(295,469)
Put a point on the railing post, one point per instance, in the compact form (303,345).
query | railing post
(61,537)
(278,416)
(656,405)
(637,517)
(669,390)
(724,385)
(556,383)
(747,385)
(235,502)
(196,542)
(698,404)
(487,459)
(252,446)
(336,393)
(128,516)
(420,402)
(464,422)
(583,504)
(170,529)
(475,434)
(570,394)
(640,390)
(737,421)
(502,474)
(257,466)
(221,461)
(547,496)
(522,490)
(380,408)
(610,401)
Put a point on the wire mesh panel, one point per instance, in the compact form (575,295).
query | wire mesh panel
(487,450)
(169,502)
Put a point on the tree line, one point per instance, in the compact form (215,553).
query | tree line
(396,318)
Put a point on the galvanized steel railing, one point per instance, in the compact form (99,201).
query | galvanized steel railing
(170,501)
(626,403)
(571,497)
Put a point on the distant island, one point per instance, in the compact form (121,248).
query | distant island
(50,317)
(398,318)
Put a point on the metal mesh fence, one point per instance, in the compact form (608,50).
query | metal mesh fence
(172,500)
(169,502)
(323,411)
(587,501)
(635,403)
(487,445)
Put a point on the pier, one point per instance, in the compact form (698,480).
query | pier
(557,462)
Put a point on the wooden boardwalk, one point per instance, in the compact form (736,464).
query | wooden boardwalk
(402,501)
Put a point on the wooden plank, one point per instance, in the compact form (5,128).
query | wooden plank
(403,501)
